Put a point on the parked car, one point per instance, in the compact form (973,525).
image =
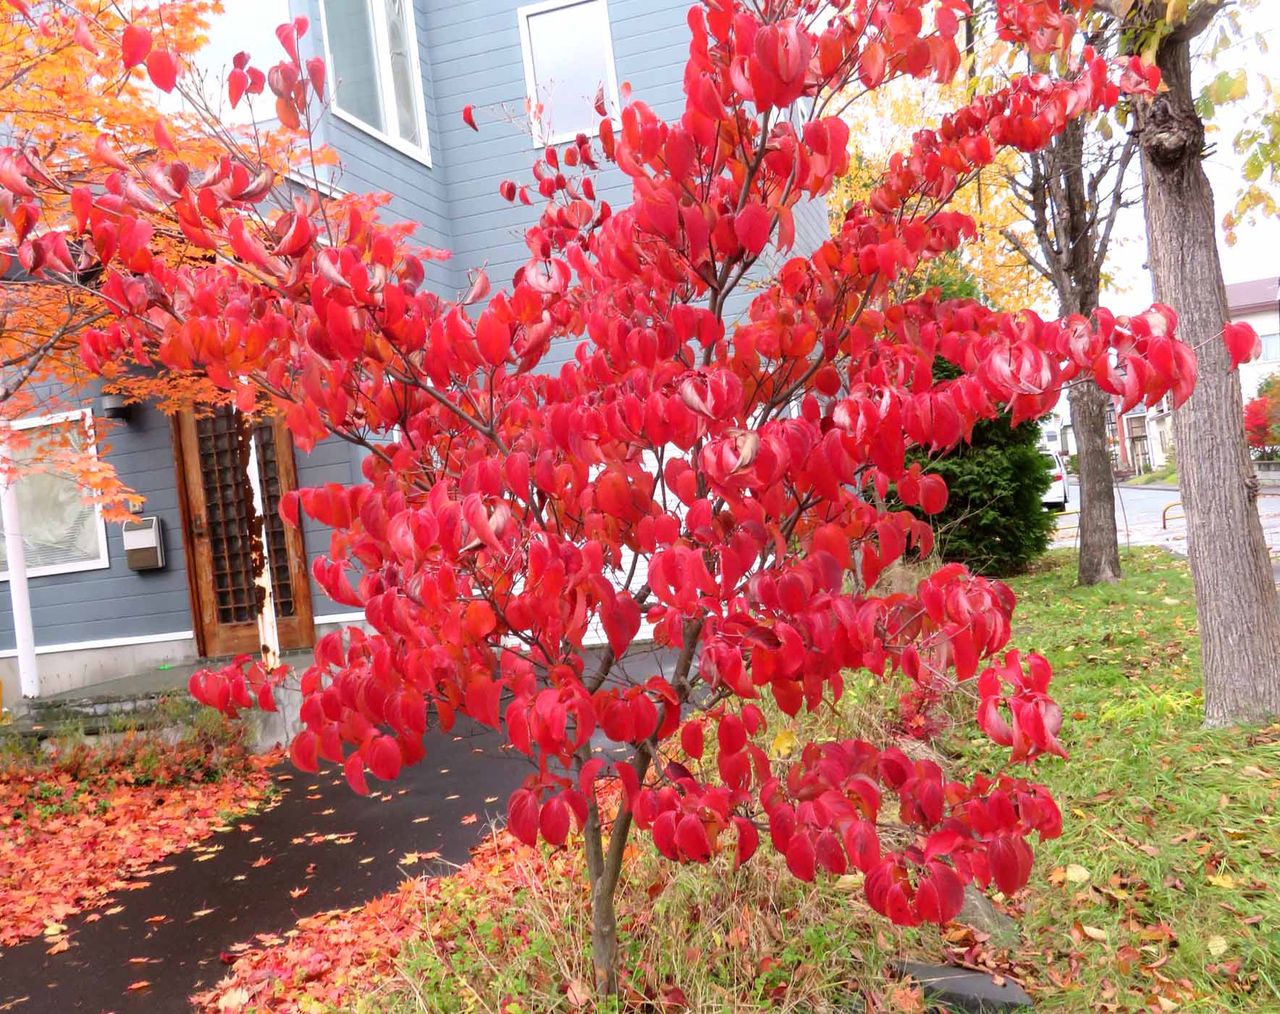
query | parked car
(1058,496)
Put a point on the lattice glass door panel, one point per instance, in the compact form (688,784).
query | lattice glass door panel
(233,546)
(224,550)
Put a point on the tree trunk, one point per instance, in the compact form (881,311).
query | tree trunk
(1236,599)
(1099,544)
(604,871)
(1078,282)
(604,942)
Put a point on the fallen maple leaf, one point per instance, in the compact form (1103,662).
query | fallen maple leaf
(577,994)
(298,892)
(140,984)
(470,818)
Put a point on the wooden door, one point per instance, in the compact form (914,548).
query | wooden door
(217,501)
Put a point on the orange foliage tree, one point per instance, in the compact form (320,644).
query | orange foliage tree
(72,108)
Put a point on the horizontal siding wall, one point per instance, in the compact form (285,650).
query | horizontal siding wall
(369,165)
(476,59)
(470,54)
(117,602)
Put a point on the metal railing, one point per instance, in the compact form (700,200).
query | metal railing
(1176,504)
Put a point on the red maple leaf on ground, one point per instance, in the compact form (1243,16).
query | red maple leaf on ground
(78,826)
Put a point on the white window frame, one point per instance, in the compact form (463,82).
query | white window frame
(540,135)
(103,560)
(1263,339)
(386,84)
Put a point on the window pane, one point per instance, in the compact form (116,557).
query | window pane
(349,31)
(1271,346)
(570,53)
(58,527)
(408,89)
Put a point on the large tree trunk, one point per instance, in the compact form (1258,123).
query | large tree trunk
(1078,282)
(1235,592)
(1099,543)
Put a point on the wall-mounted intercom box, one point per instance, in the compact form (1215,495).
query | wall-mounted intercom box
(144,544)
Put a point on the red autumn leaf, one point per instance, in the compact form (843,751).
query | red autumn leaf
(303,751)
(939,895)
(691,839)
(621,623)
(522,816)
(1243,343)
(162,67)
(801,859)
(84,38)
(353,770)
(553,820)
(933,494)
(237,82)
(493,338)
(691,739)
(469,117)
(383,758)
(752,226)
(315,74)
(135,44)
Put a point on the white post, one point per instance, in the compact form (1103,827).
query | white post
(23,630)
(268,632)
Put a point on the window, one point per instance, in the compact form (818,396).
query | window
(1270,347)
(568,62)
(61,533)
(372,50)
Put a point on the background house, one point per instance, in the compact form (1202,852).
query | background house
(400,75)
(1142,439)
(1148,434)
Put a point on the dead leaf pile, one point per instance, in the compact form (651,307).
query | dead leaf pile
(76,828)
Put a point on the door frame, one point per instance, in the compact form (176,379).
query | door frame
(299,571)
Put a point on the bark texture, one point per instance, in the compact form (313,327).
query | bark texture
(1083,241)
(1099,560)
(1236,599)
(1072,193)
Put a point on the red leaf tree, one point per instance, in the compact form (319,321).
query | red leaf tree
(1262,420)
(718,475)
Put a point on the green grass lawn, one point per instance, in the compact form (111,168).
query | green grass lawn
(1164,475)
(1164,890)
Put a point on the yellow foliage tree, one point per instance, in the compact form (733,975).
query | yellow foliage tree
(883,125)
(51,94)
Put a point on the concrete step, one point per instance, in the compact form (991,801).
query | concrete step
(97,716)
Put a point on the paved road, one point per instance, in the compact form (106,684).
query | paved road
(1139,512)
(349,852)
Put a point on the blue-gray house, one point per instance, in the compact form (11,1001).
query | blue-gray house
(400,73)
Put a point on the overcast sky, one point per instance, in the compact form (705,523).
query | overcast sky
(1257,251)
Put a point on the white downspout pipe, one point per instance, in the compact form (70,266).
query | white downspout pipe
(19,599)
